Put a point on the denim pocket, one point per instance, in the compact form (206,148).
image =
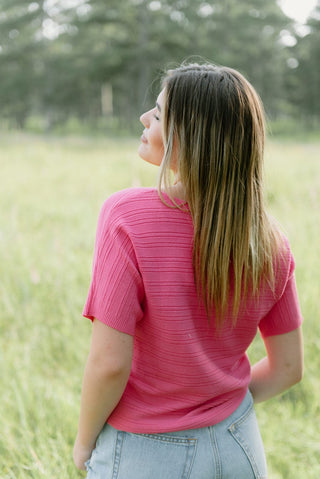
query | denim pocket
(245,431)
(142,456)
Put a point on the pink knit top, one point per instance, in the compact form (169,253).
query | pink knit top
(184,373)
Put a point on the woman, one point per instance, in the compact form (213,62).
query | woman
(183,277)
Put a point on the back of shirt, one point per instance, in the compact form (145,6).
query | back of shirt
(185,374)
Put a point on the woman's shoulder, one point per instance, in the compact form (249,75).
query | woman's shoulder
(285,255)
(130,196)
(284,265)
(283,261)
(129,202)
(142,209)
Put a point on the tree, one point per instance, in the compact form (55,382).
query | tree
(57,56)
(306,78)
(20,54)
(129,44)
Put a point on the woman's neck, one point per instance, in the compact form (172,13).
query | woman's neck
(177,191)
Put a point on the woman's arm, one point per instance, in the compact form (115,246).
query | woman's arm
(105,378)
(281,368)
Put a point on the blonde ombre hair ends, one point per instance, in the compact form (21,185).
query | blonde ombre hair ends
(214,121)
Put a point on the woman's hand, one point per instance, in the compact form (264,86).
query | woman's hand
(81,455)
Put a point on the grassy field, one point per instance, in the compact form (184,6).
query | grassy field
(50,196)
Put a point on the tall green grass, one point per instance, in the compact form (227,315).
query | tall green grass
(50,196)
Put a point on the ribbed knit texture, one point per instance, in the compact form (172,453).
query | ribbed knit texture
(184,374)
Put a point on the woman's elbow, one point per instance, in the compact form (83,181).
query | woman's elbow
(299,374)
(294,374)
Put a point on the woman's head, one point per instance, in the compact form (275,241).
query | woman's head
(213,135)
(213,128)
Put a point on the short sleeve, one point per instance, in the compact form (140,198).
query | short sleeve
(116,291)
(285,315)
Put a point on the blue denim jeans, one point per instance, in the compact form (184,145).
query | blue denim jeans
(231,449)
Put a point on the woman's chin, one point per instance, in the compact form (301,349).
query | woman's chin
(141,153)
(147,157)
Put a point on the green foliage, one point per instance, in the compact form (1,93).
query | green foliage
(55,57)
(51,194)
(288,127)
(306,77)
(288,423)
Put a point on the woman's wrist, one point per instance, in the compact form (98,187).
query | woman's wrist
(82,452)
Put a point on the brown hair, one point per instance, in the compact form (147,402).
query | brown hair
(216,119)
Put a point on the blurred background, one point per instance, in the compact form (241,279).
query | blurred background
(75,75)
(96,64)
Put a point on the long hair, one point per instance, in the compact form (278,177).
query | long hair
(213,121)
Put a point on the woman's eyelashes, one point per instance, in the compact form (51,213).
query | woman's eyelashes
(156,114)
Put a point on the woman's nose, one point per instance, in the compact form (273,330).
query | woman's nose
(144,118)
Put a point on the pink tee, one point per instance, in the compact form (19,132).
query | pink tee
(184,374)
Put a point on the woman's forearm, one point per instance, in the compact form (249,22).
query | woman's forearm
(105,377)
(101,392)
(267,382)
(281,368)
